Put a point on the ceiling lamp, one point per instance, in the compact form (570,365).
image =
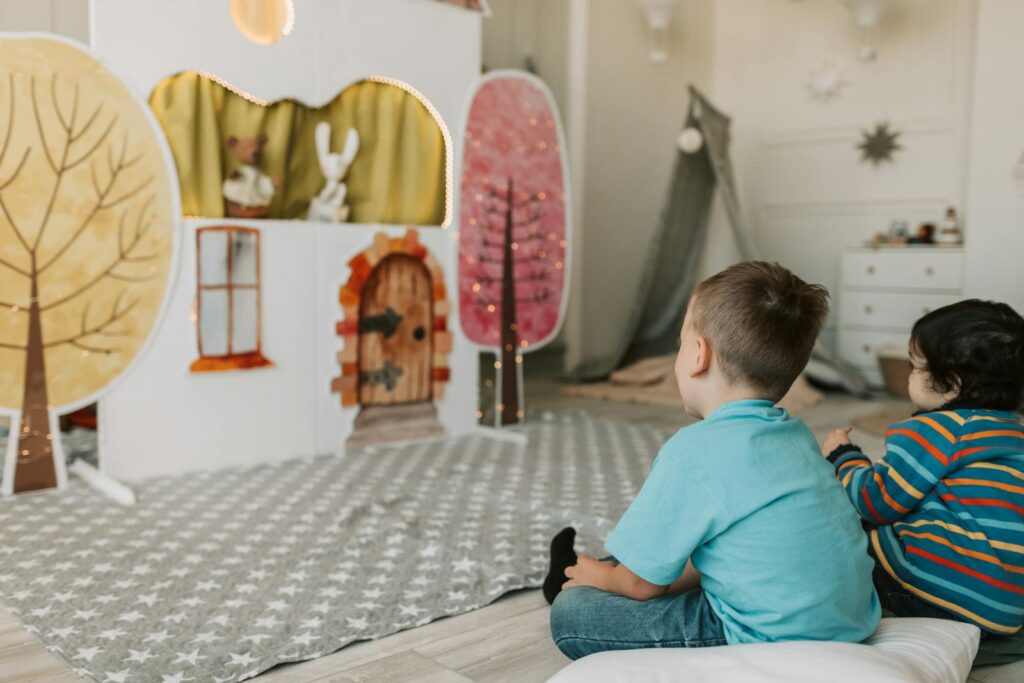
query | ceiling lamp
(264,22)
(659,17)
(867,14)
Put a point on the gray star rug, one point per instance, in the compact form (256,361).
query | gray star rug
(219,576)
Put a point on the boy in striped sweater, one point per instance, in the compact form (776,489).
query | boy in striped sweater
(945,506)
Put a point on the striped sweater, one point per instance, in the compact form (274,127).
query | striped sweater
(946,505)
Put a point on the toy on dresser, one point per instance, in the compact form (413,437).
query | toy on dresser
(247,190)
(329,206)
(950,230)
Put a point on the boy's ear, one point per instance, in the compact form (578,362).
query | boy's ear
(702,362)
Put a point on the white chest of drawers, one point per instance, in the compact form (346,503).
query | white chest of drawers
(885,290)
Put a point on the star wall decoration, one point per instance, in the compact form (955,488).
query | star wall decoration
(877,146)
(827,81)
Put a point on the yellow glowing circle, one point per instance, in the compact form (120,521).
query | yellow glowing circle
(264,22)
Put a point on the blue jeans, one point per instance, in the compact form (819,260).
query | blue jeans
(586,620)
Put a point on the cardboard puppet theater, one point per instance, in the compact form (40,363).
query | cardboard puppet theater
(193,297)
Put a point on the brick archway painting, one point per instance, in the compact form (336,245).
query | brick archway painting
(394,360)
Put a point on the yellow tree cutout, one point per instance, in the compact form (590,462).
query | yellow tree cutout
(86,240)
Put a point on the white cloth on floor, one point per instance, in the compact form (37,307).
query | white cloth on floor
(900,651)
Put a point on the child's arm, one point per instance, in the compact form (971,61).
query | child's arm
(687,581)
(611,577)
(917,456)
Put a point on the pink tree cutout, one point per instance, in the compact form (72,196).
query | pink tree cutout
(513,239)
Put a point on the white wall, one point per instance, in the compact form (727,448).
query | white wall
(995,205)
(67,17)
(433,47)
(634,111)
(534,30)
(802,185)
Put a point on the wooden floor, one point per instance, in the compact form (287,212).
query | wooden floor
(505,641)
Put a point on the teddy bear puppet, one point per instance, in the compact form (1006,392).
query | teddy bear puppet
(247,190)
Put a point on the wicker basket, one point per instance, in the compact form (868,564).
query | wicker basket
(896,368)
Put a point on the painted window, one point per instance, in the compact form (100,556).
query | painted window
(228,310)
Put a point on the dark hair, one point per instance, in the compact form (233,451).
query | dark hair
(975,348)
(762,322)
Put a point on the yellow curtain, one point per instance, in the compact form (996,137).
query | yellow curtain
(397,177)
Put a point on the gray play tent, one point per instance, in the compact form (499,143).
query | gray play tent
(674,254)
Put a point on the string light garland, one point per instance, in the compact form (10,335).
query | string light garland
(289,20)
(449,160)
(232,88)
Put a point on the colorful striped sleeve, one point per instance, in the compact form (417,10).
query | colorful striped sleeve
(916,458)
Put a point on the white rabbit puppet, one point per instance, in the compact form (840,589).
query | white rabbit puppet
(329,205)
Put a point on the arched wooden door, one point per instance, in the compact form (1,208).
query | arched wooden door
(395,333)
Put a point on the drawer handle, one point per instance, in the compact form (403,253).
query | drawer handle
(871,270)
(929,271)
(869,309)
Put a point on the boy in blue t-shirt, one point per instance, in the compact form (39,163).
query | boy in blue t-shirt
(740,533)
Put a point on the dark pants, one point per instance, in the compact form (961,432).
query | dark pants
(898,601)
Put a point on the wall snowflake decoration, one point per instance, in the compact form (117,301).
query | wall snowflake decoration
(878,145)
(827,81)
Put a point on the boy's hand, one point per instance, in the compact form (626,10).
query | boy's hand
(587,572)
(835,439)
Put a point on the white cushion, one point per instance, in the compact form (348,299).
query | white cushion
(900,651)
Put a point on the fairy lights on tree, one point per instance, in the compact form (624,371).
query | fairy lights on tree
(512,239)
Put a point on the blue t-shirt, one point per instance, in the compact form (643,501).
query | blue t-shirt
(748,497)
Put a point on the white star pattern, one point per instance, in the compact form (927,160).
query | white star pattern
(188,657)
(268,622)
(112,634)
(430,551)
(87,653)
(148,600)
(158,637)
(131,617)
(175,678)
(304,639)
(463,565)
(241,660)
(224,574)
